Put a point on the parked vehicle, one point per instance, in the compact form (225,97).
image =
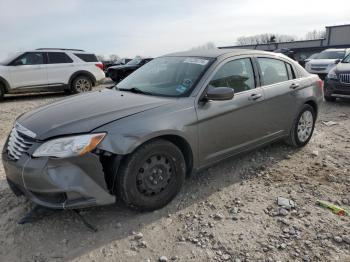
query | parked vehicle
(286,51)
(121,61)
(303,62)
(118,73)
(50,69)
(313,56)
(325,61)
(337,82)
(177,114)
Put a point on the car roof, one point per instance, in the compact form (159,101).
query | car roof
(213,53)
(78,51)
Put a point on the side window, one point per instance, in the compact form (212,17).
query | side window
(237,74)
(32,58)
(273,71)
(58,58)
(290,70)
(87,57)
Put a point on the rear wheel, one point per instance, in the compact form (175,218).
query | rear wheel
(81,84)
(152,176)
(2,92)
(303,127)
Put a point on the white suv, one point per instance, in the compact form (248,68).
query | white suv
(48,69)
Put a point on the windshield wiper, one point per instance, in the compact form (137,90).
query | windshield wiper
(135,90)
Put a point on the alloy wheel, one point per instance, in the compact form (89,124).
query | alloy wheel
(305,125)
(82,85)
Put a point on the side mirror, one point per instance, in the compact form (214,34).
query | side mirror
(337,61)
(219,93)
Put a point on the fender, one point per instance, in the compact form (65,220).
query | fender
(6,84)
(123,144)
(82,72)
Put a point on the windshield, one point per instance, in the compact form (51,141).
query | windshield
(313,56)
(166,76)
(10,58)
(331,55)
(346,59)
(135,61)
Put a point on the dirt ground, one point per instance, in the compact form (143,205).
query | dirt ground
(226,213)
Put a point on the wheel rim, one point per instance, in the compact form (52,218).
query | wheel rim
(82,85)
(305,125)
(155,175)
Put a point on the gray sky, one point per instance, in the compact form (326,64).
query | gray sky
(152,28)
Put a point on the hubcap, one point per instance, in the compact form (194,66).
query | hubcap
(154,175)
(83,85)
(305,125)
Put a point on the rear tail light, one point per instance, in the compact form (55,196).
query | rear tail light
(320,83)
(100,65)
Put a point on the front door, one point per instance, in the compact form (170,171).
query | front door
(229,127)
(29,70)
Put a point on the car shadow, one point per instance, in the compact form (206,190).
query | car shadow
(33,96)
(117,222)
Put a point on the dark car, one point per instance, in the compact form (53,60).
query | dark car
(118,73)
(286,51)
(122,61)
(337,82)
(177,114)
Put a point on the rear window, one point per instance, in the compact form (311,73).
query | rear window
(87,57)
(273,71)
(58,58)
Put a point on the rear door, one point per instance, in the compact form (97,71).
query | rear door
(59,68)
(280,85)
(228,127)
(28,70)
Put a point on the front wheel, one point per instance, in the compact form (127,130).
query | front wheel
(152,176)
(303,127)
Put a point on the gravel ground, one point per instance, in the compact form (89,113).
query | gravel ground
(226,213)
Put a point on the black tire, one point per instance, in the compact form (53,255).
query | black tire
(81,84)
(294,139)
(329,98)
(2,92)
(134,184)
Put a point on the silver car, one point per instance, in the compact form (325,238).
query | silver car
(140,139)
(325,61)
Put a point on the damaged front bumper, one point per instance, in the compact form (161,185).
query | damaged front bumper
(75,182)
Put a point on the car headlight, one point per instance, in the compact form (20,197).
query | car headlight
(332,75)
(69,146)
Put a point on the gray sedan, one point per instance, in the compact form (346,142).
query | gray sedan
(140,139)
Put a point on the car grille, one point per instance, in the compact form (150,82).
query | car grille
(17,144)
(344,78)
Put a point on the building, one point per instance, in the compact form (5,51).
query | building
(336,37)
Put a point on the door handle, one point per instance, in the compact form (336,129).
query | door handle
(255,96)
(294,86)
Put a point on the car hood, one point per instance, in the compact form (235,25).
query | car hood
(343,67)
(86,112)
(322,61)
(123,67)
